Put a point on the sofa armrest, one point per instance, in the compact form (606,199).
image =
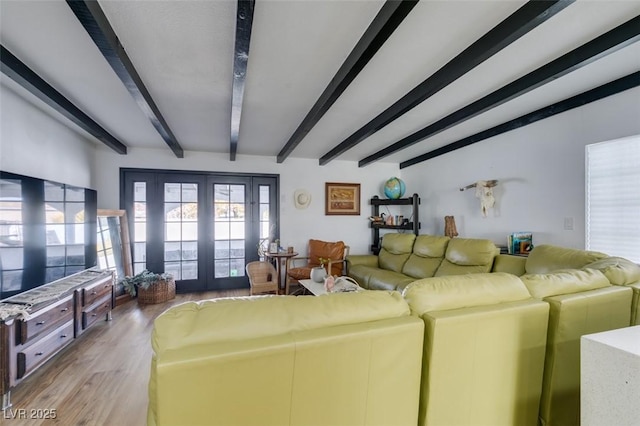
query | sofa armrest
(362,259)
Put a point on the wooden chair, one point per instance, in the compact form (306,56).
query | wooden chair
(262,277)
(333,253)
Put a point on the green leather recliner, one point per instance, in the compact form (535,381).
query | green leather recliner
(484,349)
(581,302)
(345,358)
(622,272)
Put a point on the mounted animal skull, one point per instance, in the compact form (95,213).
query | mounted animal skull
(484,191)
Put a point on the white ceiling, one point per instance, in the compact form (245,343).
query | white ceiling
(183,51)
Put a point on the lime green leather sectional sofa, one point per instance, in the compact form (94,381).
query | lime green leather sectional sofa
(499,345)
(456,351)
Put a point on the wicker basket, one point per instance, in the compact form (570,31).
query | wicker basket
(158,292)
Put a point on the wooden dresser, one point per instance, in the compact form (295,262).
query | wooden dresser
(61,311)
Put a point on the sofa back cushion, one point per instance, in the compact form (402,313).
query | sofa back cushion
(467,256)
(234,319)
(326,250)
(564,282)
(548,258)
(463,291)
(619,271)
(395,251)
(428,252)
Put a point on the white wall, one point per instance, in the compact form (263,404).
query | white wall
(296,226)
(541,172)
(33,143)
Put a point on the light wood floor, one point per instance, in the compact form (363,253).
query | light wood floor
(102,378)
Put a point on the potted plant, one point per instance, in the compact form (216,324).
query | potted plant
(150,287)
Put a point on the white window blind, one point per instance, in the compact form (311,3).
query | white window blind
(613,197)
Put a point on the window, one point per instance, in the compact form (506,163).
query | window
(64,217)
(613,197)
(11,235)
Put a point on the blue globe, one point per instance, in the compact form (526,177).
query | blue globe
(394,188)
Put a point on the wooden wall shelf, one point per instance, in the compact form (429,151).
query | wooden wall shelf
(376,202)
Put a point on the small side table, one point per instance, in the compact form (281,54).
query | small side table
(281,259)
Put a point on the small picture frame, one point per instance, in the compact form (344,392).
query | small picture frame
(273,247)
(342,198)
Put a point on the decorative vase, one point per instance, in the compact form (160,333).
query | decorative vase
(318,274)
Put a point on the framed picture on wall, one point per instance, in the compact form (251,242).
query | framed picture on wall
(342,198)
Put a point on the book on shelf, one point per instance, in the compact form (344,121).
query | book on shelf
(520,242)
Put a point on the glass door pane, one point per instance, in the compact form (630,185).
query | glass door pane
(139,231)
(181,230)
(229,213)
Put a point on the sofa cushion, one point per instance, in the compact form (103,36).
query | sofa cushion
(619,271)
(467,256)
(428,252)
(548,258)
(389,280)
(395,251)
(564,282)
(363,273)
(463,291)
(234,319)
(430,245)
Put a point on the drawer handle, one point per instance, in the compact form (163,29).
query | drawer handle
(93,293)
(64,310)
(94,315)
(39,353)
(40,323)
(63,336)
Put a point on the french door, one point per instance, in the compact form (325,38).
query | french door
(203,228)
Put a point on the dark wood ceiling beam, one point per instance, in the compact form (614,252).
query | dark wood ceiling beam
(244,22)
(15,69)
(625,83)
(607,43)
(529,16)
(97,25)
(383,25)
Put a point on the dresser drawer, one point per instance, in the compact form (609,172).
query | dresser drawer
(46,320)
(47,346)
(96,312)
(96,291)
